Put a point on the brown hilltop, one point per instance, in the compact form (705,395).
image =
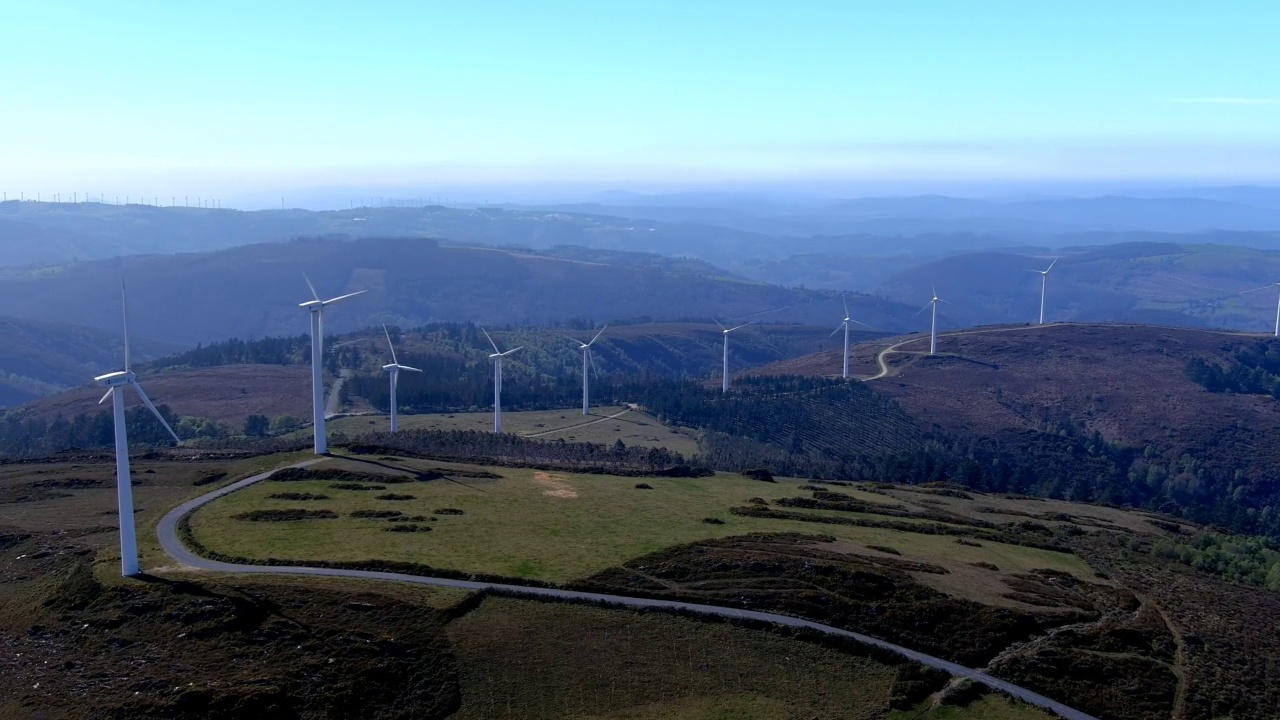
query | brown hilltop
(1127,382)
(229,393)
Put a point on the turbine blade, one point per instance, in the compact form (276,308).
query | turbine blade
(314,294)
(390,344)
(573,339)
(104,397)
(926,307)
(1055,262)
(738,327)
(591,358)
(1264,287)
(150,406)
(491,342)
(718,323)
(512,350)
(845,300)
(410,369)
(124,313)
(340,298)
(597,337)
(859,322)
(838,329)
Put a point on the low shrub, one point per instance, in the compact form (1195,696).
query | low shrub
(286,515)
(885,549)
(393,496)
(297,496)
(643,486)
(356,486)
(410,518)
(408,528)
(986,565)
(448,511)
(966,541)
(713,521)
(376,514)
(759,474)
(210,478)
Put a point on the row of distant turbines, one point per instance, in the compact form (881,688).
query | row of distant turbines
(116,382)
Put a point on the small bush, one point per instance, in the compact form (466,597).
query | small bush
(970,543)
(643,486)
(356,486)
(713,521)
(986,565)
(884,549)
(286,515)
(211,478)
(376,514)
(449,511)
(759,474)
(410,518)
(408,528)
(393,496)
(297,496)
(813,488)
(758,501)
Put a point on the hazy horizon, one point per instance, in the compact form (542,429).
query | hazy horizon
(562,101)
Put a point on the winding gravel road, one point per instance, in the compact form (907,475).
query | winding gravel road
(167,533)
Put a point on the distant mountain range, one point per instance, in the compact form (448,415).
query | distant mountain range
(254,291)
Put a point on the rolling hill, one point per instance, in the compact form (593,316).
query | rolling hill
(1107,412)
(254,291)
(39,358)
(1167,283)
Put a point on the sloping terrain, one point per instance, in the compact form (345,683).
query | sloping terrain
(254,291)
(38,358)
(1161,279)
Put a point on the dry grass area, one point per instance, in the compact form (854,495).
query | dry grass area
(1127,382)
(227,394)
(605,426)
(522,659)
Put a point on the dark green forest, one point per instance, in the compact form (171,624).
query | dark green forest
(1253,370)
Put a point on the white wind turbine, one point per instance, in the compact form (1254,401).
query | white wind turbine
(115,383)
(393,371)
(845,325)
(724,383)
(496,357)
(1265,287)
(1044,281)
(316,308)
(587,361)
(933,327)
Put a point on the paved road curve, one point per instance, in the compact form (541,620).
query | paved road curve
(167,532)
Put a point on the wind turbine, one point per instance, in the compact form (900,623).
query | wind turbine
(1044,281)
(496,357)
(933,328)
(115,383)
(845,324)
(393,371)
(316,308)
(724,384)
(587,359)
(1264,287)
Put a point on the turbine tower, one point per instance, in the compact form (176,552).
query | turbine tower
(933,327)
(115,383)
(845,325)
(496,357)
(1044,281)
(316,308)
(724,383)
(393,372)
(1265,287)
(587,360)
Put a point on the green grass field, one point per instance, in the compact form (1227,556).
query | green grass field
(632,427)
(556,527)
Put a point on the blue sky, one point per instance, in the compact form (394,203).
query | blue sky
(170,97)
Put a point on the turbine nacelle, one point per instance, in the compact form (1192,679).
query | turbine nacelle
(116,379)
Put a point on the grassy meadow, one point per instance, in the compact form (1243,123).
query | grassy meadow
(555,527)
